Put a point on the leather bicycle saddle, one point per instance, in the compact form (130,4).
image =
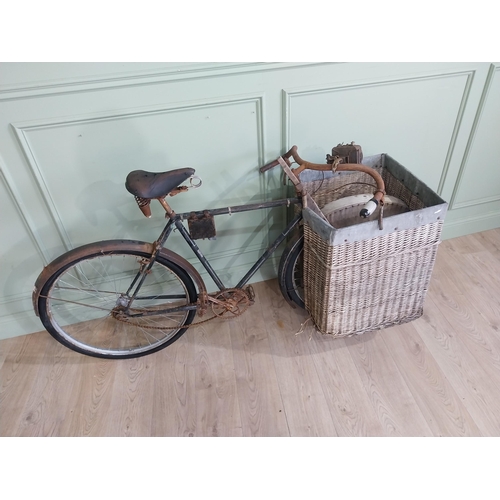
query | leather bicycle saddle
(156,185)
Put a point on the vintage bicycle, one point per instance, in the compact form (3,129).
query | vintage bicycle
(123,299)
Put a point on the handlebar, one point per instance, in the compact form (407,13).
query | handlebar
(325,167)
(286,156)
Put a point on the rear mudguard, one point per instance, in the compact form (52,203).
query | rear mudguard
(108,247)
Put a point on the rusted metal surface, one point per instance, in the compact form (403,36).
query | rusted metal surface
(177,190)
(379,192)
(144,205)
(303,165)
(347,153)
(201,226)
(244,208)
(230,303)
(167,208)
(110,246)
(226,304)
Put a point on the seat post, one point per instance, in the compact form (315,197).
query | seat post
(167,208)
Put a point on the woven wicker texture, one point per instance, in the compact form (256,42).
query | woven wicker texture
(357,287)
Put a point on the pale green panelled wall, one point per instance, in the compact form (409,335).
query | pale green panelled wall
(70,133)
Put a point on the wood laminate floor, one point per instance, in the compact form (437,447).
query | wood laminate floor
(253,376)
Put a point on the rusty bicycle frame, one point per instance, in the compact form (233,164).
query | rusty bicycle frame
(176,221)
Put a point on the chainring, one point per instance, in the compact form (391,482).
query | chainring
(230,303)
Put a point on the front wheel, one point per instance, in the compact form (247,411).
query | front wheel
(81,305)
(290,272)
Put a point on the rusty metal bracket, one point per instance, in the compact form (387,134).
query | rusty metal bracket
(348,153)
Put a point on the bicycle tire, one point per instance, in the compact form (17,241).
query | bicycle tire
(77,304)
(290,271)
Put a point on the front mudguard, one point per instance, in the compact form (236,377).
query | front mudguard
(108,247)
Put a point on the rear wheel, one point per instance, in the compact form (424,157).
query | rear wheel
(290,272)
(82,305)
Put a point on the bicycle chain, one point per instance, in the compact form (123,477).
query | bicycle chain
(247,297)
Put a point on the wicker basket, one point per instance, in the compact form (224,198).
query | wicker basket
(362,278)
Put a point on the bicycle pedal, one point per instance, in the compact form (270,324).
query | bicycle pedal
(250,292)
